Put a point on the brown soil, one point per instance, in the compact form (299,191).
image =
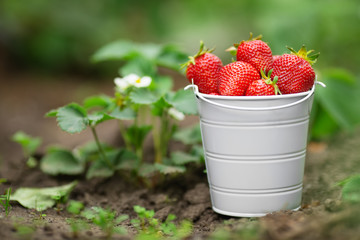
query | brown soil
(23,103)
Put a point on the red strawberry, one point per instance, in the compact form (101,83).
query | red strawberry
(256,52)
(236,77)
(276,57)
(203,69)
(264,86)
(295,71)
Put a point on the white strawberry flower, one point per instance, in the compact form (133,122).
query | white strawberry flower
(121,84)
(139,82)
(132,80)
(173,112)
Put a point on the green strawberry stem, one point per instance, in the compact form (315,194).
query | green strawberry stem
(267,79)
(304,54)
(255,38)
(100,149)
(251,38)
(263,76)
(276,88)
(232,50)
(202,51)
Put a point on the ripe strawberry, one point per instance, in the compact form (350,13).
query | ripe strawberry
(256,52)
(276,57)
(236,77)
(264,86)
(203,69)
(295,71)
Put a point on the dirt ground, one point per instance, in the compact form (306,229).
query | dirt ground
(23,103)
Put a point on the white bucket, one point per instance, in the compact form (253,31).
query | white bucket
(254,151)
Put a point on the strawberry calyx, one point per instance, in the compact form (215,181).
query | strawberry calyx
(251,38)
(202,51)
(267,79)
(304,54)
(233,49)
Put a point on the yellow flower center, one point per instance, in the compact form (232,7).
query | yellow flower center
(138,80)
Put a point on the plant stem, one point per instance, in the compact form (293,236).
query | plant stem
(101,150)
(164,133)
(123,134)
(157,141)
(142,114)
(139,153)
(5,201)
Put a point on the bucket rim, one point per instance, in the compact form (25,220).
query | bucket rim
(303,97)
(251,98)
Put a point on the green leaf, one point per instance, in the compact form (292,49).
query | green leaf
(324,124)
(120,230)
(90,151)
(161,85)
(184,230)
(344,110)
(75,207)
(351,190)
(31,162)
(61,161)
(126,50)
(123,114)
(167,169)
(163,55)
(189,135)
(126,160)
(139,66)
(41,198)
(28,143)
(51,113)
(121,218)
(198,150)
(182,158)
(72,118)
(98,117)
(149,50)
(91,213)
(146,170)
(143,96)
(119,50)
(102,101)
(158,108)
(137,134)
(171,57)
(99,169)
(183,101)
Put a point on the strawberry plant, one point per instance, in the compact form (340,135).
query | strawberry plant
(150,227)
(331,113)
(5,201)
(106,220)
(143,104)
(351,189)
(29,146)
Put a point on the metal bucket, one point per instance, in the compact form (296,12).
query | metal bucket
(255,151)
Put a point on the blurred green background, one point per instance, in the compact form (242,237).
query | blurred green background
(60,36)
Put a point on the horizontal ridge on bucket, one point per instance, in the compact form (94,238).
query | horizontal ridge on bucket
(255,149)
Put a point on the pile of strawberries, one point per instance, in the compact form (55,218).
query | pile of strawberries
(255,72)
